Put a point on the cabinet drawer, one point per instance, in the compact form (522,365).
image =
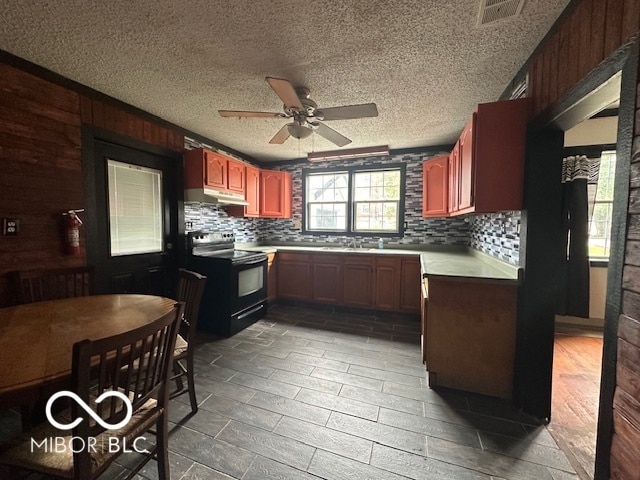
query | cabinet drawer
(327,258)
(294,257)
(358,260)
(387,261)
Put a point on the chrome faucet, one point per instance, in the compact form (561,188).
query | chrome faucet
(352,243)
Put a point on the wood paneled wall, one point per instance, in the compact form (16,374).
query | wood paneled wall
(625,445)
(587,37)
(40,164)
(594,30)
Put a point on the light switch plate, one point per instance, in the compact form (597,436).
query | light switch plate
(10,226)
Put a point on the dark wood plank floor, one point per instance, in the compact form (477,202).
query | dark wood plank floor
(576,387)
(309,394)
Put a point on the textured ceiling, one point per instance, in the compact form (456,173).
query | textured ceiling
(424,63)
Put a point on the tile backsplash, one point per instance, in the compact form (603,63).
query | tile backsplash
(495,234)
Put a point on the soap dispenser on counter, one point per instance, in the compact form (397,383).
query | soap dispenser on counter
(380,243)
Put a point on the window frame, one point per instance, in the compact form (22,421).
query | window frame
(350,204)
(609,204)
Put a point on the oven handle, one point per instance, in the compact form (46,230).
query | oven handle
(249,312)
(250,261)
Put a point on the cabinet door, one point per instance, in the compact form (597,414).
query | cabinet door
(294,276)
(272,278)
(435,187)
(215,170)
(327,279)
(387,283)
(466,162)
(235,176)
(454,170)
(358,281)
(275,194)
(410,284)
(252,194)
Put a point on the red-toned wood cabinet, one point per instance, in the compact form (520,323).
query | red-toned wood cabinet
(327,278)
(275,194)
(387,282)
(358,280)
(252,192)
(491,158)
(486,165)
(215,170)
(435,187)
(410,284)
(206,168)
(454,168)
(466,165)
(236,176)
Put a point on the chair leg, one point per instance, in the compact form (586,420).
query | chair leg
(162,448)
(191,384)
(178,372)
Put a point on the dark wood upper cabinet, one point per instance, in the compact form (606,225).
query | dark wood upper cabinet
(492,158)
(486,166)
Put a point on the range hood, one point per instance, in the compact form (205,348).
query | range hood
(209,195)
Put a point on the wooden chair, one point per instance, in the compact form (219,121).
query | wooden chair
(50,284)
(136,364)
(190,289)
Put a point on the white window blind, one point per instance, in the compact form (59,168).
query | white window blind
(135,209)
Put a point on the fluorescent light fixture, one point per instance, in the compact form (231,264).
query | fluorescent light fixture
(348,153)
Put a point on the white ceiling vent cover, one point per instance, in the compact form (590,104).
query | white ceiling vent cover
(493,10)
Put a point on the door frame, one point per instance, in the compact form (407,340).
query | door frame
(89,136)
(532,389)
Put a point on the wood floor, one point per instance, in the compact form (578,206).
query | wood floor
(307,394)
(576,386)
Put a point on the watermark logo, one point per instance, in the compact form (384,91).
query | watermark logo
(87,408)
(91,444)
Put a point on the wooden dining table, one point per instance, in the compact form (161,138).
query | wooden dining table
(36,339)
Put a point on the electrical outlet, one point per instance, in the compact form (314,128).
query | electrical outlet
(10,226)
(188,225)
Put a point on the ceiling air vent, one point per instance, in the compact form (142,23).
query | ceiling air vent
(493,10)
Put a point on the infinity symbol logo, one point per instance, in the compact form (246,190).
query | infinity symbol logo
(87,408)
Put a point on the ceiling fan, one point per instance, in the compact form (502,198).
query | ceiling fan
(305,115)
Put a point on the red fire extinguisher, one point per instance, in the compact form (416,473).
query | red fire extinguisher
(72,232)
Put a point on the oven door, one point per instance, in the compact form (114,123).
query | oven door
(249,283)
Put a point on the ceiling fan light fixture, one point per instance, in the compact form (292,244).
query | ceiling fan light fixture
(349,153)
(299,131)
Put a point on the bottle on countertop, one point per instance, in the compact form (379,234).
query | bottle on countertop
(380,243)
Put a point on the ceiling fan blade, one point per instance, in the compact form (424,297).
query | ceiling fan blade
(281,136)
(286,92)
(349,111)
(238,113)
(331,135)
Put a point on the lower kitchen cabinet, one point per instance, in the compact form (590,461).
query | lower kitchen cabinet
(470,335)
(410,276)
(382,282)
(294,276)
(327,278)
(387,283)
(272,278)
(358,283)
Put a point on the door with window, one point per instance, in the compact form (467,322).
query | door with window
(132,236)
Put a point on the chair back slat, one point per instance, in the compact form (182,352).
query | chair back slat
(136,363)
(51,284)
(190,289)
